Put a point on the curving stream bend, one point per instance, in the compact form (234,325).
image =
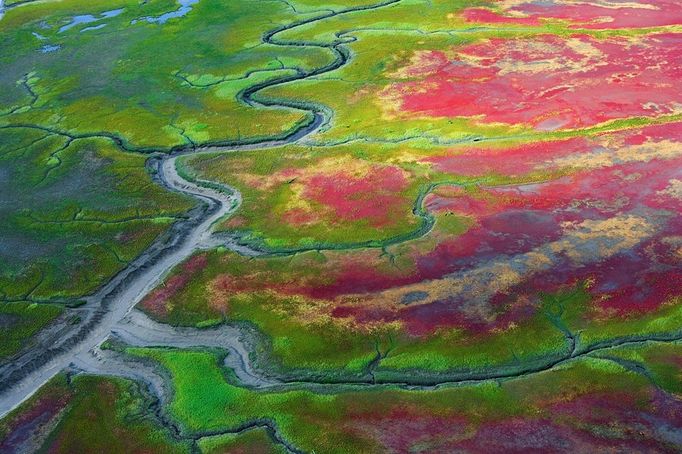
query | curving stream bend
(115,300)
(109,312)
(125,290)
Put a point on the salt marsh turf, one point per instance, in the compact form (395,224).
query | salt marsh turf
(340,226)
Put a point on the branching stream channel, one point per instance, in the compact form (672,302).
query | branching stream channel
(109,312)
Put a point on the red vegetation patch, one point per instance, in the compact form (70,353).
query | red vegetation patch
(298,216)
(408,429)
(41,413)
(642,420)
(547,82)
(235,222)
(156,301)
(552,156)
(511,221)
(540,236)
(353,197)
(636,282)
(546,436)
(589,15)
(195,264)
(513,161)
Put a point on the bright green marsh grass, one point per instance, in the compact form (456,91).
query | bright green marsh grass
(204,398)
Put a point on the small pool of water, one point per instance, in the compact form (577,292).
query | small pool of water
(47,48)
(185,7)
(89,18)
(112,13)
(95,27)
(77,20)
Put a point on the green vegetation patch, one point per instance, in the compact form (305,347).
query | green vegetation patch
(343,419)
(253,441)
(20,321)
(74,213)
(87,414)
